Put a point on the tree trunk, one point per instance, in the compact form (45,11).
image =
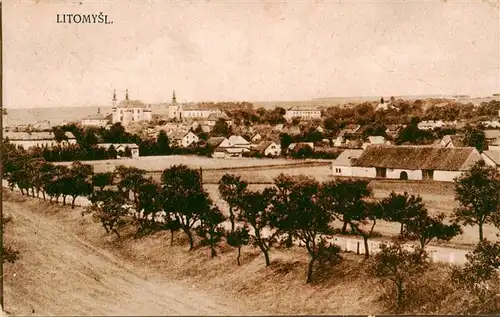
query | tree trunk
(266,253)
(480,231)
(43,195)
(310,270)
(213,253)
(344,227)
(400,291)
(238,257)
(73,202)
(116,232)
(64,200)
(367,251)
(171,237)
(401,229)
(231,218)
(191,240)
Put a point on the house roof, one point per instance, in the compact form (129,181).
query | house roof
(238,140)
(298,108)
(492,134)
(415,157)
(347,157)
(118,146)
(217,116)
(376,139)
(216,141)
(456,140)
(131,104)
(263,145)
(351,128)
(494,156)
(299,145)
(34,135)
(96,117)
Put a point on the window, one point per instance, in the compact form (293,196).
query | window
(381,172)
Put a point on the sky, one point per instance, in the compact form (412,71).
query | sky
(247,50)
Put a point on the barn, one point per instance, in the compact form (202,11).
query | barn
(414,162)
(342,166)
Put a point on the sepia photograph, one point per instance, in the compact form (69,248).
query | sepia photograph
(250,157)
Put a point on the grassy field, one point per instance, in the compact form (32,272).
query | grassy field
(159,163)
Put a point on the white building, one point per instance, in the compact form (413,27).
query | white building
(128,111)
(342,166)
(121,148)
(302,113)
(197,112)
(268,148)
(95,120)
(414,162)
(185,139)
(239,142)
(37,139)
(429,125)
(375,140)
(493,139)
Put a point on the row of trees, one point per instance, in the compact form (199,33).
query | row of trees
(295,209)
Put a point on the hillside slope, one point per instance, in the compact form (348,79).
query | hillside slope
(60,273)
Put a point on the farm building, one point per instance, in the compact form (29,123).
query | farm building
(268,148)
(37,139)
(121,148)
(492,158)
(414,162)
(342,166)
(238,141)
(230,152)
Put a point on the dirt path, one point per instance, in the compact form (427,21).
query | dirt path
(61,274)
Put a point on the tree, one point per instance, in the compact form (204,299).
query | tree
(184,197)
(112,153)
(163,143)
(402,208)
(331,124)
(231,189)
(426,228)
(78,181)
(102,180)
(255,211)
(342,197)
(478,194)
(285,141)
(476,138)
(479,276)
(210,229)
(110,210)
(238,238)
(303,218)
(399,266)
(221,128)
(131,179)
(150,201)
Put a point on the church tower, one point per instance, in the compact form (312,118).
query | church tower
(126,94)
(114,99)
(174,100)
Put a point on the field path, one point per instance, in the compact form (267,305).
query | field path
(61,274)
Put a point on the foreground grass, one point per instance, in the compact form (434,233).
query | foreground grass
(347,288)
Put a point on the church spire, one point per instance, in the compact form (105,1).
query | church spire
(126,94)
(113,101)
(174,100)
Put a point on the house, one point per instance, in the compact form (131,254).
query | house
(338,141)
(374,140)
(342,166)
(295,146)
(268,148)
(393,130)
(493,139)
(451,141)
(185,139)
(302,113)
(350,129)
(121,148)
(128,111)
(414,162)
(491,124)
(430,125)
(256,138)
(293,130)
(214,117)
(279,127)
(38,139)
(96,120)
(198,112)
(492,158)
(320,129)
(230,152)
